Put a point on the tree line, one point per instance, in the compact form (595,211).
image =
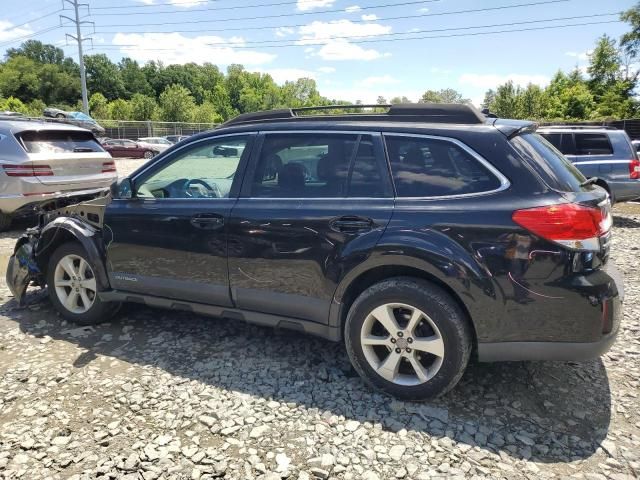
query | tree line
(36,75)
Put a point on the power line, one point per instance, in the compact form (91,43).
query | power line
(435,14)
(383,40)
(36,19)
(339,10)
(31,35)
(304,42)
(194,2)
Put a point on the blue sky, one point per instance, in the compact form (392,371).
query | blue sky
(340,43)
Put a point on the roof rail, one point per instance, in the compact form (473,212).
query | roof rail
(405,112)
(581,127)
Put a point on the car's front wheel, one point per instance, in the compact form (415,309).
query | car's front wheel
(408,337)
(72,286)
(149,154)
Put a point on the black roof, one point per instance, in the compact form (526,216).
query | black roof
(408,112)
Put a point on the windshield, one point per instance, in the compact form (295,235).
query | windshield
(81,116)
(558,172)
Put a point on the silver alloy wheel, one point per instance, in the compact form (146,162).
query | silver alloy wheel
(75,283)
(148,154)
(402,344)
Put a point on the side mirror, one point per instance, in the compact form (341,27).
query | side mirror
(122,189)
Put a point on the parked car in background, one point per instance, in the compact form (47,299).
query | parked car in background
(75,118)
(416,237)
(176,138)
(42,161)
(636,144)
(159,144)
(128,148)
(601,152)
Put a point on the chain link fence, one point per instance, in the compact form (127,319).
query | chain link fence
(135,129)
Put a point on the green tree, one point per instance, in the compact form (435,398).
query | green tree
(14,105)
(103,76)
(98,106)
(398,100)
(531,103)
(176,104)
(506,101)
(19,78)
(120,109)
(630,41)
(205,113)
(446,95)
(143,107)
(133,79)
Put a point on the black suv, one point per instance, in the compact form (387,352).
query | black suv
(417,236)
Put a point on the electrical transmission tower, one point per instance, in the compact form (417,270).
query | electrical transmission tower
(76,20)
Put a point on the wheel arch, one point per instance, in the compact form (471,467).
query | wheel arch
(378,273)
(69,229)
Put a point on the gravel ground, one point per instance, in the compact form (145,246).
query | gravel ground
(158,394)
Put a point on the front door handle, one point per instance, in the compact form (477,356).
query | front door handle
(207,221)
(350,224)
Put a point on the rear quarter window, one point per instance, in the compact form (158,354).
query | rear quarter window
(548,162)
(63,141)
(429,167)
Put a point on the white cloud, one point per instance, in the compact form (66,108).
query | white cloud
(370,17)
(284,31)
(342,50)
(326,70)
(8,32)
(335,35)
(382,80)
(176,3)
(487,81)
(352,9)
(440,71)
(305,5)
(579,55)
(281,75)
(423,10)
(176,48)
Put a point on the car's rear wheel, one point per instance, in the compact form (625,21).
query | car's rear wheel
(5,222)
(60,115)
(72,286)
(149,154)
(409,338)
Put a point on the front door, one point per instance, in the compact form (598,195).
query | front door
(313,205)
(170,239)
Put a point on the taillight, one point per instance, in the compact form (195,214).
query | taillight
(108,167)
(574,226)
(634,169)
(27,170)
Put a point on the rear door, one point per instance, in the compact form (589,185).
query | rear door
(594,155)
(313,204)
(67,159)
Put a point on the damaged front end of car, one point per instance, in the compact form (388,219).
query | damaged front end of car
(77,216)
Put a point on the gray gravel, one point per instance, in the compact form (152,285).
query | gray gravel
(165,395)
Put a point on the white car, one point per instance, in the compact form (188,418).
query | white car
(41,161)
(159,144)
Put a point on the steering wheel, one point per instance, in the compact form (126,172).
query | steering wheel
(210,192)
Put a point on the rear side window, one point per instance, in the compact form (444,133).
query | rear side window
(551,165)
(63,141)
(427,167)
(562,141)
(317,166)
(593,144)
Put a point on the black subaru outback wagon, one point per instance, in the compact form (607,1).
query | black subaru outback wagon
(418,236)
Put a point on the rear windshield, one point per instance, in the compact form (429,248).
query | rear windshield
(63,141)
(551,165)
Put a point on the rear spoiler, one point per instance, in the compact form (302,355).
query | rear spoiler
(513,128)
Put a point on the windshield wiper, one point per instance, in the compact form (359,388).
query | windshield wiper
(589,181)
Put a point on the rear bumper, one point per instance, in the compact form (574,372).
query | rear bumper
(625,191)
(566,351)
(24,204)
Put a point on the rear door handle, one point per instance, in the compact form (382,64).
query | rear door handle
(207,221)
(350,224)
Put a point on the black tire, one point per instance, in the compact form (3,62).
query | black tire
(443,311)
(5,222)
(149,154)
(98,312)
(60,115)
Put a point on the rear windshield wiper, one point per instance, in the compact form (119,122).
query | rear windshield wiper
(589,181)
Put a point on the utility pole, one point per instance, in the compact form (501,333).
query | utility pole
(79,38)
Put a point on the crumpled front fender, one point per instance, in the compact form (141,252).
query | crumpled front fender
(22,268)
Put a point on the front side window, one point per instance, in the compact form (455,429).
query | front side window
(203,170)
(317,165)
(428,167)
